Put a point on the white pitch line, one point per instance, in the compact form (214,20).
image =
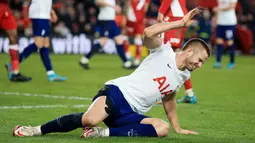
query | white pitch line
(43,106)
(46,96)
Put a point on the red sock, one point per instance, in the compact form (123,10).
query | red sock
(14,54)
(126,45)
(138,52)
(187,84)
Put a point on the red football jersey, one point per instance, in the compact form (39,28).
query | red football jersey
(173,8)
(4,3)
(136,10)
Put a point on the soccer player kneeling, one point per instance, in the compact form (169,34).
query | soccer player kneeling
(121,104)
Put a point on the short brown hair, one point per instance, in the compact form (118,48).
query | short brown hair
(198,41)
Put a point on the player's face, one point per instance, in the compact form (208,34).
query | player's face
(195,59)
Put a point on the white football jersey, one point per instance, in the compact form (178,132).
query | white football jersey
(40,9)
(107,12)
(226,17)
(156,77)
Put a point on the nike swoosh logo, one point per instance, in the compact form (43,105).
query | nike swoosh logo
(169,66)
(19,134)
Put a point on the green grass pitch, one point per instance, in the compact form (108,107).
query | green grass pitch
(225,112)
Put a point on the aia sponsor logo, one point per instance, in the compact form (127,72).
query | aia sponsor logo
(162,85)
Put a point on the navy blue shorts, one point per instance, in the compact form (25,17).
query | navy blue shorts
(108,29)
(121,114)
(41,27)
(226,32)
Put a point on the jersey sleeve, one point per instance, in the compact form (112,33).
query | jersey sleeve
(165,6)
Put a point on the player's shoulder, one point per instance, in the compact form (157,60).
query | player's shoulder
(162,48)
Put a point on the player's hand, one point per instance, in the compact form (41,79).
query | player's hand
(186,132)
(187,19)
(117,9)
(215,9)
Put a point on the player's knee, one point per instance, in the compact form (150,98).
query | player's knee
(230,42)
(119,40)
(13,39)
(39,42)
(102,41)
(88,120)
(46,44)
(219,41)
(162,128)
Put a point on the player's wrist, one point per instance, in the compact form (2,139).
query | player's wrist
(177,130)
(175,126)
(183,23)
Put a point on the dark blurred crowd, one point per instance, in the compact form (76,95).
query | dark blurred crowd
(80,16)
(75,16)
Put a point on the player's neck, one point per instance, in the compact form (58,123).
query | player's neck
(179,58)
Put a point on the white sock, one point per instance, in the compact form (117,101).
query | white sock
(105,132)
(14,47)
(189,92)
(15,72)
(38,130)
(128,55)
(84,60)
(51,72)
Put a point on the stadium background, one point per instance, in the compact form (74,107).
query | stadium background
(224,112)
(77,27)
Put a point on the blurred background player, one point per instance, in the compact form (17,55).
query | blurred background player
(40,13)
(108,29)
(135,24)
(172,10)
(8,23)
(226,21)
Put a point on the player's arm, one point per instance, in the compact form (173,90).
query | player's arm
(150,36)
(163,9)
(169,103)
